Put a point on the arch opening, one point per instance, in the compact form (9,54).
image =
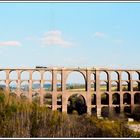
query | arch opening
(36,75)
(93,99)
(114,75)
(105,111)
(36,85)
(103,76)
(116,111)
(25,75)
(94,111)
(24,89)
(59,81)
(125,75)
(116,99)
(127,110)
(76,104)
(75,82)
(13,75)
(103,86)
(47,86)
(135,76)
(104,99)
(13,86)
(126,98)
(114,86)
(125,86)
(24,86)
(47,75)
(136,86)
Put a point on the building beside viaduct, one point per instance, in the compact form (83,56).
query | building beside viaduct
(102,86)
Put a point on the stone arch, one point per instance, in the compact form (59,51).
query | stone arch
(104,98)
(2,75)
(114,75)
(103,86)
(114,86)
(125,75)
(103,75)
(36,75)
(76,102)
(2,85)
(76,81)
(125,86)
(136,86)
(93,99)
(25,75)
(116,98)
(137,98)
(82,73)
(13,75)
(126,98)
(135,75)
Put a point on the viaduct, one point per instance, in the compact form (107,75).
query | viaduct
(101,84)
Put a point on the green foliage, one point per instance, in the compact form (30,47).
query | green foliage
(19,118)
(2,97)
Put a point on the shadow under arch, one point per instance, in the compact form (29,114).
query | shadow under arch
(105,98)
(137,98)
(76,104)
(105,111)
(116,98)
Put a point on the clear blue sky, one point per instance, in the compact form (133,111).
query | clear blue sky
(70,34)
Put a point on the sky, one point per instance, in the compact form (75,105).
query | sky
(70,35)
